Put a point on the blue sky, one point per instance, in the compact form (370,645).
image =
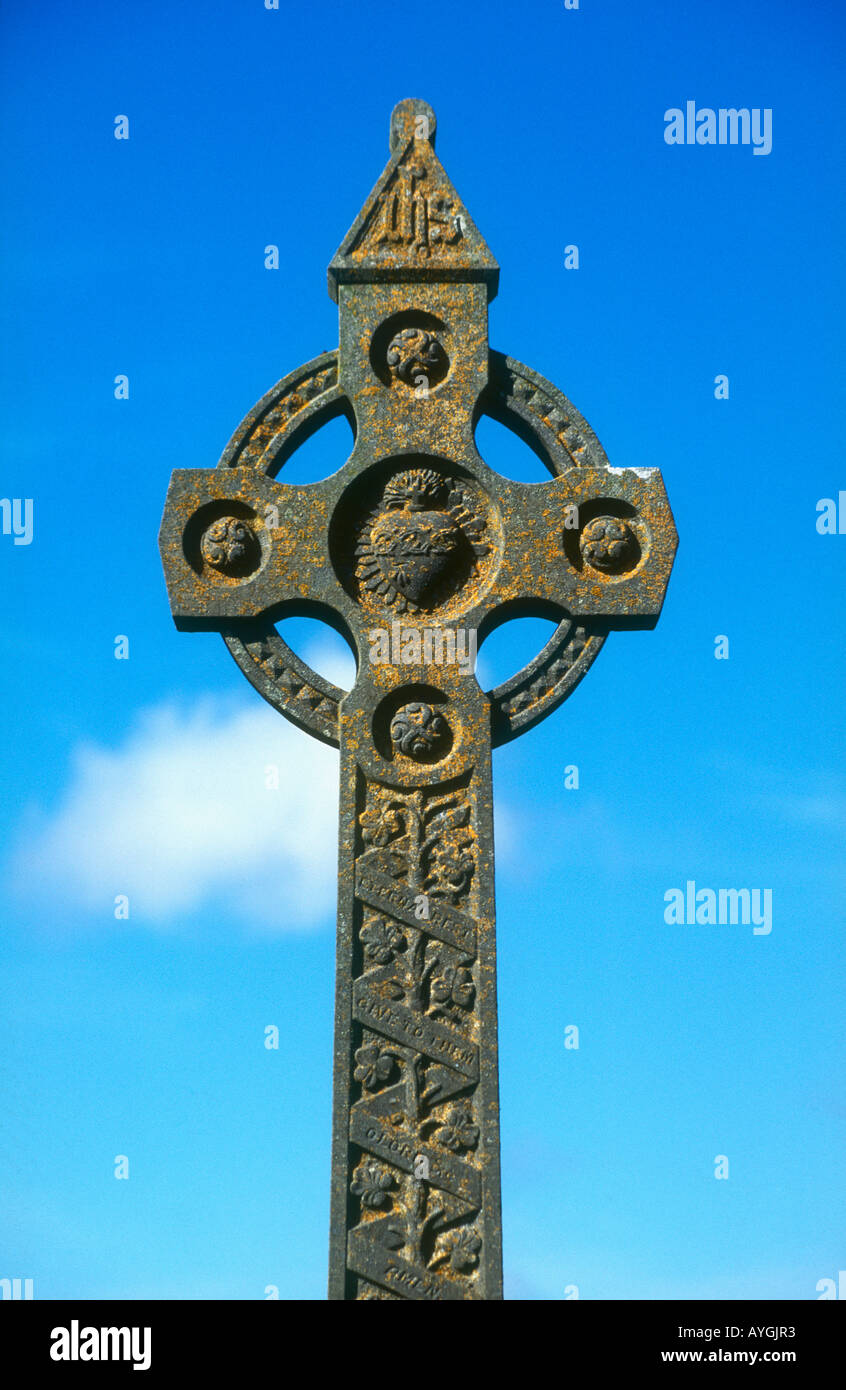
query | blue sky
(146,776)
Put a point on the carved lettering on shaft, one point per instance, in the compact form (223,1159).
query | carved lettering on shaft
(417,1062)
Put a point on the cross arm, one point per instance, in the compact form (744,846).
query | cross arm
(235,543)
(598,542)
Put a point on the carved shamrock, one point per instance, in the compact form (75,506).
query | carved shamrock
(381,940)
(380,823)
(458,1131)
(372,1184)
(454,985)
(372,1065)
(452,864)
(461,1248)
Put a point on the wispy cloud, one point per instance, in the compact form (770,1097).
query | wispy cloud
(810,795)
(183,817)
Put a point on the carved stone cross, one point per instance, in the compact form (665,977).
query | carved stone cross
(414,549)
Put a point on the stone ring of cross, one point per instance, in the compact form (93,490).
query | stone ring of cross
(415,549)
(543,417)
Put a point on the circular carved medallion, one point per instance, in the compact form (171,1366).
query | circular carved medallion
(609,545)
(414,534)
(418,731)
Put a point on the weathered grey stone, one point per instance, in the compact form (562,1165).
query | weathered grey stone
(413,550)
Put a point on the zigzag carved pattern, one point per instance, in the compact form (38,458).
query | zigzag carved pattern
(414,1130)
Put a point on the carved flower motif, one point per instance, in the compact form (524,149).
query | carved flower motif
(462,1247)
(458,1131)
(454,986)
(372,1065)
(380,824)
(607,544)
(372,1183)
(381,940)
(453,865)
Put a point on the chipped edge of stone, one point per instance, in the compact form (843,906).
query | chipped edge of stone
(641,472)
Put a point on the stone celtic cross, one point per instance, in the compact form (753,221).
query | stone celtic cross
(414,550)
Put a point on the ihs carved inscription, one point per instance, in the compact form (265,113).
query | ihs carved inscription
(413,213)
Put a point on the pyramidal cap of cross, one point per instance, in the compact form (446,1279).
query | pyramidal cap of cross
(414,223)
(416,540)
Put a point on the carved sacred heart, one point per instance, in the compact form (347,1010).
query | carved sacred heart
(421,541)
(414,549)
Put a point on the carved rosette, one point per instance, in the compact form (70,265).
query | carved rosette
(418,731)
(229,545)
(415,356)
(414,1126)
(609,545)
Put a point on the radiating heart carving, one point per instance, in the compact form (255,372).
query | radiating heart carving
(414,549)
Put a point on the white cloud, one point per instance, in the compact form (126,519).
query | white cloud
(179,817)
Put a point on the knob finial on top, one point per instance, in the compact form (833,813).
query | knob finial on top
(412,118)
